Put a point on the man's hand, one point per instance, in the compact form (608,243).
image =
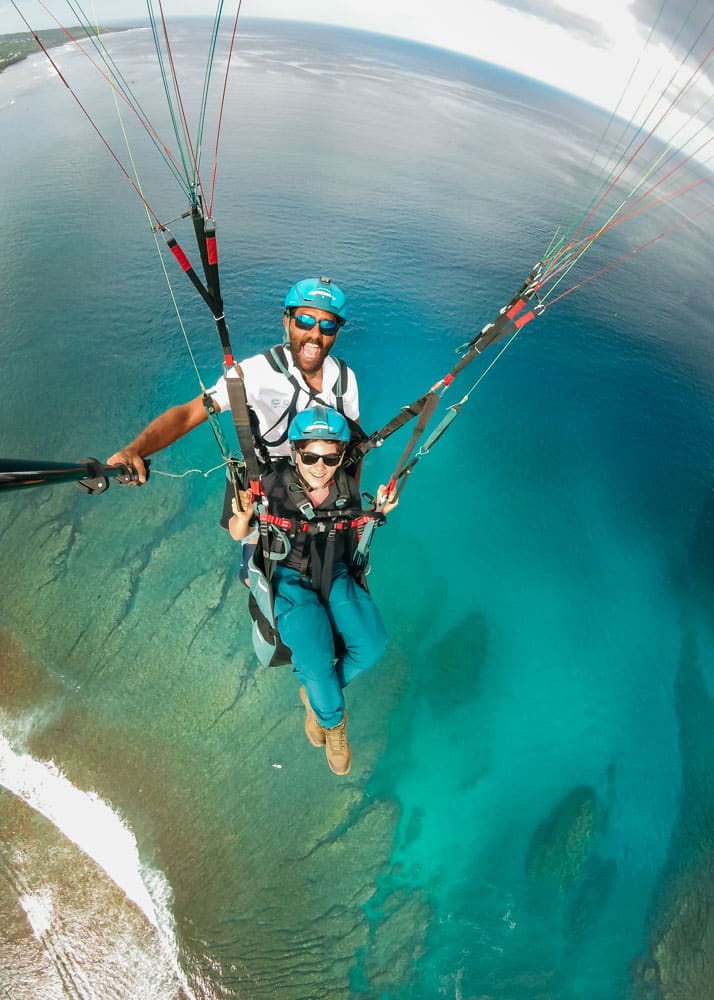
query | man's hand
(128,456)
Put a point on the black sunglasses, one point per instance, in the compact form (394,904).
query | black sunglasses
(310,458)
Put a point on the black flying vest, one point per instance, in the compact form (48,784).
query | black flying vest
(320,536)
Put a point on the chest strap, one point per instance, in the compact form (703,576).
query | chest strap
(277,359)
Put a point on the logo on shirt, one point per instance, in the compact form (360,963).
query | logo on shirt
(275,404)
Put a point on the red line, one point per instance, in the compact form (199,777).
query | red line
(88,116)
(660,201)
(626,218)
(178,95)
(631,159)
(670,173)
(214,168)
(633,212)
(631,253)
(148,127)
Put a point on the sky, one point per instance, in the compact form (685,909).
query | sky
(588,49)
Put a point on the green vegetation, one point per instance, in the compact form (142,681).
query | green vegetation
(15,48)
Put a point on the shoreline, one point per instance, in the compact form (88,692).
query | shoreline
(17,46)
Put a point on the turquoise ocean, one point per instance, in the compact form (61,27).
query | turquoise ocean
(530,812)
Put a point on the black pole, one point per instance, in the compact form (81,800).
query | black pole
(89,474)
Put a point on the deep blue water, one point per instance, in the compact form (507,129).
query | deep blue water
(528,814)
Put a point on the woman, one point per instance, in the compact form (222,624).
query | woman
(323,612)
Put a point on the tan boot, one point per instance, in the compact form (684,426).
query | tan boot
(313,730)
(339,755)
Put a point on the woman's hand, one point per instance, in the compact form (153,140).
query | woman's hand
(245,503)
(239,524)
(385,503)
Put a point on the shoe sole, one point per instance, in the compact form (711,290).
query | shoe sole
(340,773)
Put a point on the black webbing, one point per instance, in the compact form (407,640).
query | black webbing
(241,422)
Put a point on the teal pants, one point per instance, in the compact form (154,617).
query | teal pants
(308,627)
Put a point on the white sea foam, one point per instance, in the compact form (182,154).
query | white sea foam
(91,824)
(82,817)
(39,909)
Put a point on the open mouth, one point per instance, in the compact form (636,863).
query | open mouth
(311,352)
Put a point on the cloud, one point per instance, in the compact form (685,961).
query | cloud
(679,29)
(553,14)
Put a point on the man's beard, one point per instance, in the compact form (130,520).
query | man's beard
(307,365)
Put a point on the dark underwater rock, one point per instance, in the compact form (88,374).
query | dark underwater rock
(679,964)
(394,948)
(562,843)
(460,654)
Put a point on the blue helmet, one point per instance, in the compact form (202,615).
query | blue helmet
(319,293)
(318,423)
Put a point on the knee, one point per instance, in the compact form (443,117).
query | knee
(360,624)
(306,631)
(374,645)
(362,650)
(380,645)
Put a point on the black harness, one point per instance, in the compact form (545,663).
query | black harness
(306,538)
(255,444)
(278,361)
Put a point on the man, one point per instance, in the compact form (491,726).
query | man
(278,384)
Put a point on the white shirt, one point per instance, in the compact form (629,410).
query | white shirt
(269,394)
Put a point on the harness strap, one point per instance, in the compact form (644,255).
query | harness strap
(511,318)
(377,438)
(288,524)
(241,421)
(340,386)
(281,522)
(360,557)
(325,582)
(277,359)
(317,560)
(423,419)
(359,522)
